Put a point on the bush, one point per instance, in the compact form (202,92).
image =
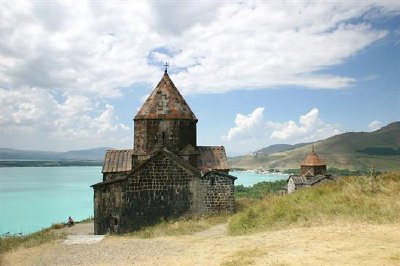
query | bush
(57,226)
(259,190)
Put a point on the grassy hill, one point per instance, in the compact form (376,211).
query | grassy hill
(350,199)
(279,148)
(352,150)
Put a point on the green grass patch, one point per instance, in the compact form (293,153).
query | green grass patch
(259,190)
(359,199)
(185,225)
(12,242)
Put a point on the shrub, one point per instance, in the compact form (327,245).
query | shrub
(259,190)
(57,226)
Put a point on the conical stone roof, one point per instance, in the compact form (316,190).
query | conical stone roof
(165,102)
(313,159)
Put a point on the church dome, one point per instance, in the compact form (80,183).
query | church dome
(313,159)
(165,102)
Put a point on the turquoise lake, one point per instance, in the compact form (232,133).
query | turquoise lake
(33,198)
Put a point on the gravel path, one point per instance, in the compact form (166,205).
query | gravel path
(79,229)
(338,244)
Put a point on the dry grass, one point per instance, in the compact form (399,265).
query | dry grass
(57,226)
(11,242)
(181,226)
(357,199)
(244,257)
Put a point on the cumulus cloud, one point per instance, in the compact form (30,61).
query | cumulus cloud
(99,48)
(309,128)
(26,109)
(374,125)
(35,112)
(253,131)
(63,60)
(93,49)
(246,124)
(182,15)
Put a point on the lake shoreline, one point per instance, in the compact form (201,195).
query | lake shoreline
(48,163)
(35,197)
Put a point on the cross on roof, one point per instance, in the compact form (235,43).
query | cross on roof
(166,67)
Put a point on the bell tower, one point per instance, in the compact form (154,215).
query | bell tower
(164,121)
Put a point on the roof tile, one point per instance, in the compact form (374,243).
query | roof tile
(313,159)
(165,102)
(117,161)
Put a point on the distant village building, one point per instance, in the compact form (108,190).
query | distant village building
(312,172)
(165,174)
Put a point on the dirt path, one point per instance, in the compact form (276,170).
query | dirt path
(339,244)
(79,229)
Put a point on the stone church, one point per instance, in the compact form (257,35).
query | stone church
(312,173)
(165,174)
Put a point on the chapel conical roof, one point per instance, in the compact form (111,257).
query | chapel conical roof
(165,102)
(313,159)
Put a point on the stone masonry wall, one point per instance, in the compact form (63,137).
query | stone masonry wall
(109,204)
(313,170)
(215,194)
(160,189)
(154,134)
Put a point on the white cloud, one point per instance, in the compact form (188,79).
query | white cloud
(246,123)
(85,48)
(261,45)
(87,52)
(309,128)
(98,48)
(253,132)
(374,125)
(26,109)
(28,113)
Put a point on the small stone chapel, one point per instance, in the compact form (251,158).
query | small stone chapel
(165,174)
(312,172)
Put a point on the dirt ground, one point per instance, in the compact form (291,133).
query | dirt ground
(338,244)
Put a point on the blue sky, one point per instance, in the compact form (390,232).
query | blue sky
(75,73)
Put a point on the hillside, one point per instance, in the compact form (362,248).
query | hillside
(352,150)
(278,148)
(95,154)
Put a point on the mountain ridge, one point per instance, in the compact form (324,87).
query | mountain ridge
(279,148)
(94,154)
(350,150)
